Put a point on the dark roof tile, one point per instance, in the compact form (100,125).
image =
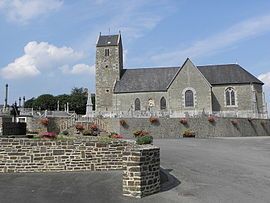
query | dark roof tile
(227,74)
(145,80)
(107,40)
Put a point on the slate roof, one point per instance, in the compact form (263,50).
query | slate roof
(227,74)
(107,40)
(145,80)
(158,79)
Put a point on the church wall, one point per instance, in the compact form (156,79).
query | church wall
(125,101)
(259,97)
(244,98)
(190,78)
(172,128)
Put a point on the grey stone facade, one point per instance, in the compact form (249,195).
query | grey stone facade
(108,70)
(118,88)
(173,128)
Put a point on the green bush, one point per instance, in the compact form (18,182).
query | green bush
(65,132)
(147,139)
(87,132)
(105,139)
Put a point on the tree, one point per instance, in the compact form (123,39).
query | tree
(63,100)
(45,102)
(77,101)
(29,103)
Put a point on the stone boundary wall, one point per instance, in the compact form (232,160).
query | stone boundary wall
(141,164)
(172,128)
(26,155)
(141,176)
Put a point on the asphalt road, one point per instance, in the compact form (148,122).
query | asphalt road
(194,170)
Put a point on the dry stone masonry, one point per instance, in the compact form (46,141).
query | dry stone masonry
(140,163)
(141,175)
(24,155)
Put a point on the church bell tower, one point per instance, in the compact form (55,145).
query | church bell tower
(109,64)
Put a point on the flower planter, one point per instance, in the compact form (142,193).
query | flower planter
(153,120)
(211,119)
(234,122)
(189,134)
(183,121)
(44,121)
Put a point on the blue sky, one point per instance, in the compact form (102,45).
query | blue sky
(48,46)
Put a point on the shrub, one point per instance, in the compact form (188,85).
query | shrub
(140,133)
(147,139)
(79,127)
(65,132)
(44,121)
(88,132)
(211,119)
(153,119)
(104,139)
(49,135)
(183,121)
(188,133)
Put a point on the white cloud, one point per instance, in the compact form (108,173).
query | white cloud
(238,32)
(24,10)
(265,78)
(39,57)
(78,69)
(21,67)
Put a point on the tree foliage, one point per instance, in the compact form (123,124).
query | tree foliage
(77,100)
(45,102)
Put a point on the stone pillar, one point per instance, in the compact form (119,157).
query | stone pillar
(141,175)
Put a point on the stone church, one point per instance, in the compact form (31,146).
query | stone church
(186,88)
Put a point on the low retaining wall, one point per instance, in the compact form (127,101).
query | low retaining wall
(26,155)
(172,128)
(141,175)
(140,163)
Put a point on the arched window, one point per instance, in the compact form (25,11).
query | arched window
(189,98)
(230,96)
(162,103)
(137,104)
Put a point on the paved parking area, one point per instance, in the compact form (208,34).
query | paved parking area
(194,170)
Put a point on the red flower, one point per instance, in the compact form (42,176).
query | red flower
(211,119)
(183,121)
(94,127)
(234,122)
(44,121)
(79,127)
(153,119)
(117,136)
(49,135)
(140,133)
